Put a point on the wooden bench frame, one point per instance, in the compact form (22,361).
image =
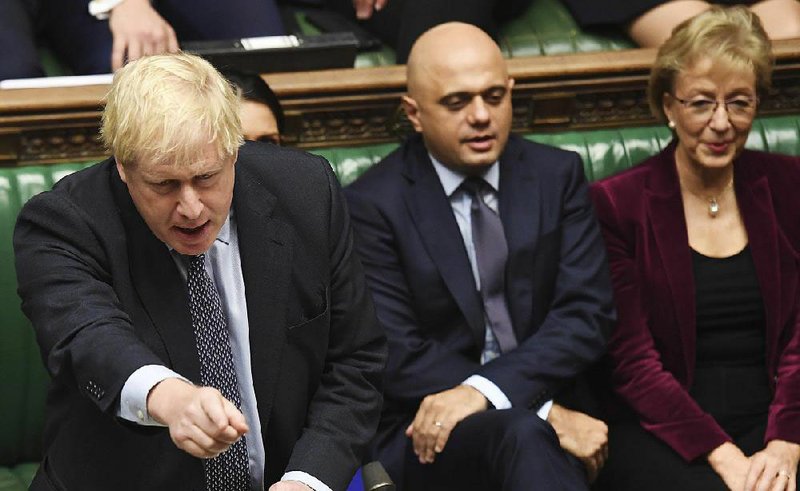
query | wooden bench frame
(352,107)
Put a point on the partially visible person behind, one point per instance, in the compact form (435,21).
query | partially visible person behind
(197,303)
(260,110)
(400,22)
(488,272)
(19,57)
(702,241)
(99,36)
(650,22)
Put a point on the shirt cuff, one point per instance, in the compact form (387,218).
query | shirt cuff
(490,391)
(101,9)
(544,411)
(307,479)
(133,398)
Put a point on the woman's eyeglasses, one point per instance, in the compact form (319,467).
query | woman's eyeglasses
(739,109)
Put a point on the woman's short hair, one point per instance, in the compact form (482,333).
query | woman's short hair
(168,109)
(732,36)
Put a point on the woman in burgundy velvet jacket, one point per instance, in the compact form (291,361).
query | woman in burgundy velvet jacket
(703,243)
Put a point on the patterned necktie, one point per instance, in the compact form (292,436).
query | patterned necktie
(229,470)
(491,254)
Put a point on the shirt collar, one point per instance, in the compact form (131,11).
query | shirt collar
(224,234)
(451,179)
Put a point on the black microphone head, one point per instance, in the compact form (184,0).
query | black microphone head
(376,478)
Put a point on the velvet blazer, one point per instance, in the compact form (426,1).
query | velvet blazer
(653,348)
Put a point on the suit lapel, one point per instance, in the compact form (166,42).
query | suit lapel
(431,211)
(520,210)
(665,217)
(160,287)
(264,248)
(753,195)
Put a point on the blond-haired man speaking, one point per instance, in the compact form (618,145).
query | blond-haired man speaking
(197,303)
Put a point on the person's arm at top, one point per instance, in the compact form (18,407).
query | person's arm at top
(136,28)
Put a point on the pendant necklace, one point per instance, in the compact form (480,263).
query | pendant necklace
(713,203)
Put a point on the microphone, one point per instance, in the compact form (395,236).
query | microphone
(376,478)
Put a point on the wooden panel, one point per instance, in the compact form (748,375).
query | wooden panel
(350,107)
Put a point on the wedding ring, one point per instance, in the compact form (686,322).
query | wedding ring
(783,472)
(438,424)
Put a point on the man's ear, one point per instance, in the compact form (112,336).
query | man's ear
(121,170)
(411,108)
(510,84)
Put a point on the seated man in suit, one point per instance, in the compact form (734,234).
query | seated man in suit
(197,302)
(489,315)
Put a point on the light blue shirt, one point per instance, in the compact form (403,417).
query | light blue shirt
(461,203)
(224,266)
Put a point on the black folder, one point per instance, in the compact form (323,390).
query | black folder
(279,53)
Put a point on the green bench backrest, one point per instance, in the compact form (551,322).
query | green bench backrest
(22,378)
(604,152)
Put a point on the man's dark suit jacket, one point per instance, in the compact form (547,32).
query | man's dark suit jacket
(557,284)
(106,298)
(653,348)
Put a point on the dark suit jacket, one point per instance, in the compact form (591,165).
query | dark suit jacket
(653,347)
(557,284)
(106,298)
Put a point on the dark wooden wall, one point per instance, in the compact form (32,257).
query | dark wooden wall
(361,106)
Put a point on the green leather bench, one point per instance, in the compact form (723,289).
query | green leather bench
(22,378)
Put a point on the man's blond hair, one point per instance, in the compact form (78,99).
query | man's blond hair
(167,109)
(729,36)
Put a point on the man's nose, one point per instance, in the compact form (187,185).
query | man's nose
(478,111)
(189,203)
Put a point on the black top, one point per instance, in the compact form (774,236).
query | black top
(730,311)
(731,381)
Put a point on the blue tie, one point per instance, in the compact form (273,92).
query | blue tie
(229,470)
(491,254)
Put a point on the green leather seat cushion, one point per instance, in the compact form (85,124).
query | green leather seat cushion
(17,478)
